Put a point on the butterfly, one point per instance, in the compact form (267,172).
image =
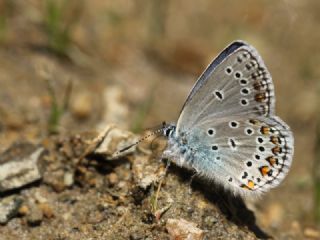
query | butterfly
(227,130)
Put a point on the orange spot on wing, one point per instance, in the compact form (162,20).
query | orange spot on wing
(260,97)
(274,140)
(272,160)
(264,170)
(265,130)
(276,150)
(250,184)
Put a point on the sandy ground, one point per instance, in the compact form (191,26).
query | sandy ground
(133,64)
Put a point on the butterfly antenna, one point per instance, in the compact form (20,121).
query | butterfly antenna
(154,132)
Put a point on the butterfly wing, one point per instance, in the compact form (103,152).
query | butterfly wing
(246,155)
(234,100)
(236,83)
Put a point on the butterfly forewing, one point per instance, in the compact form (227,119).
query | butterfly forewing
(239,85)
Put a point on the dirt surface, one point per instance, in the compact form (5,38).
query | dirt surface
(69,69)
(127,198)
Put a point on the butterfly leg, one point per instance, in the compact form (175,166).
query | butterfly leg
(190,182)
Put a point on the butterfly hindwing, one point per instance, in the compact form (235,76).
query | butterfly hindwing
(246,155)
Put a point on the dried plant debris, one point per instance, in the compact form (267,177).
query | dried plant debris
(111,141)
(19,166)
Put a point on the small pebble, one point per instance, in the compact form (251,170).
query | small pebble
(116,108)
(9,208)
(274,215)
(58,186)
(14,121)
(68,179)
(183,230)
(137,234)
(81,105)
(93,182)
(295,226)
(210,221)
(146,181)
(311,233)
(24,210)
(113,178)
(47,210)
(19,166)
(35,217)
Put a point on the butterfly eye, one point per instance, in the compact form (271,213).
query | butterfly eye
(168,131)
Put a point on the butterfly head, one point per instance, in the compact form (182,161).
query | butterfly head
(168,129)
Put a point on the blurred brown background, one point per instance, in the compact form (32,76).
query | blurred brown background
(71,66)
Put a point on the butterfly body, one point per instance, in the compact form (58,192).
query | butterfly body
(227,130)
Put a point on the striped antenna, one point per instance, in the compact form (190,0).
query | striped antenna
(155,132)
